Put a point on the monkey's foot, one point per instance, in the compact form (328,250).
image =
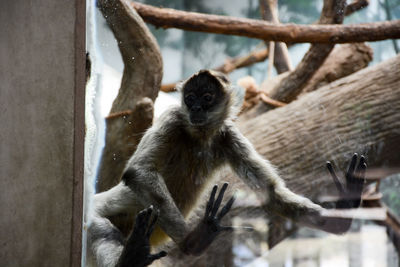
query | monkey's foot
(136,252)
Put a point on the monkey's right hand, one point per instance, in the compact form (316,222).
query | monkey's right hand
(136,252)
(209,227)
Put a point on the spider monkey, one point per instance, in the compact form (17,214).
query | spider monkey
(172,166)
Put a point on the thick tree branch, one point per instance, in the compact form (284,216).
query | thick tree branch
(288,33)
(344,60)
(345,116)
(132,111)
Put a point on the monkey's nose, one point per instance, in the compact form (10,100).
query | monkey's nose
(195,109)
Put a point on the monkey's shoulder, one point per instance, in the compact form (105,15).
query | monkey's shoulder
(170,120)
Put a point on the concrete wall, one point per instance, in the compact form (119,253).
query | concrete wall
(41,133)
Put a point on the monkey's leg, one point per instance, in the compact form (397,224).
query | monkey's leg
(108,243)
(114,201)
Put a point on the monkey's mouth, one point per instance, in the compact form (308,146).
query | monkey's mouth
(197,120)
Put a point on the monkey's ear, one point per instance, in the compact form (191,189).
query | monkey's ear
(221,77)
(179,86)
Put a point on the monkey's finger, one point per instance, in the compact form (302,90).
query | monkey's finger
(361,168)
(157,256)
(226,208)
(147,216)
(334,177)
(361,163)
(142,220)
(140,225)
(357,180)
(352,166)
(361,177)
(357,170)
(210,202)
(219,200)
(152,224)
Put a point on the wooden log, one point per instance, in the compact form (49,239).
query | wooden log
(132,111)
(288,33)
(358,113)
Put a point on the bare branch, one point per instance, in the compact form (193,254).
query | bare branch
(291,85)
(245,61)
(289,33)
(355,6)
(281,61)
(230,65)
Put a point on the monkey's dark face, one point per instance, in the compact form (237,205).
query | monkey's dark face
(202,94)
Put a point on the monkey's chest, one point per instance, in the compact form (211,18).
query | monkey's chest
(186,172)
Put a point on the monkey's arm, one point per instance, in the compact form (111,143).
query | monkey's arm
(349,195)
(278,199)
(151,189)
(262,177)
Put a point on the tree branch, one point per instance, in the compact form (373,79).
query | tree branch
(342,61)
(132,110)
(244,61)
(291,85)
(355,6)
(230,65)
(288,33)
(282,61)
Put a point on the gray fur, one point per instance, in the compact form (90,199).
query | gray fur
(174,162)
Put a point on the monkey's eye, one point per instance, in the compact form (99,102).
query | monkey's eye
(190,98)
(208,97)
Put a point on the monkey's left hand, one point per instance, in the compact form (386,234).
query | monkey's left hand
(136,252)
(350,193)
(209,227)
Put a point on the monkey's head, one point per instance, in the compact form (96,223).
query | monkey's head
(206,98)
